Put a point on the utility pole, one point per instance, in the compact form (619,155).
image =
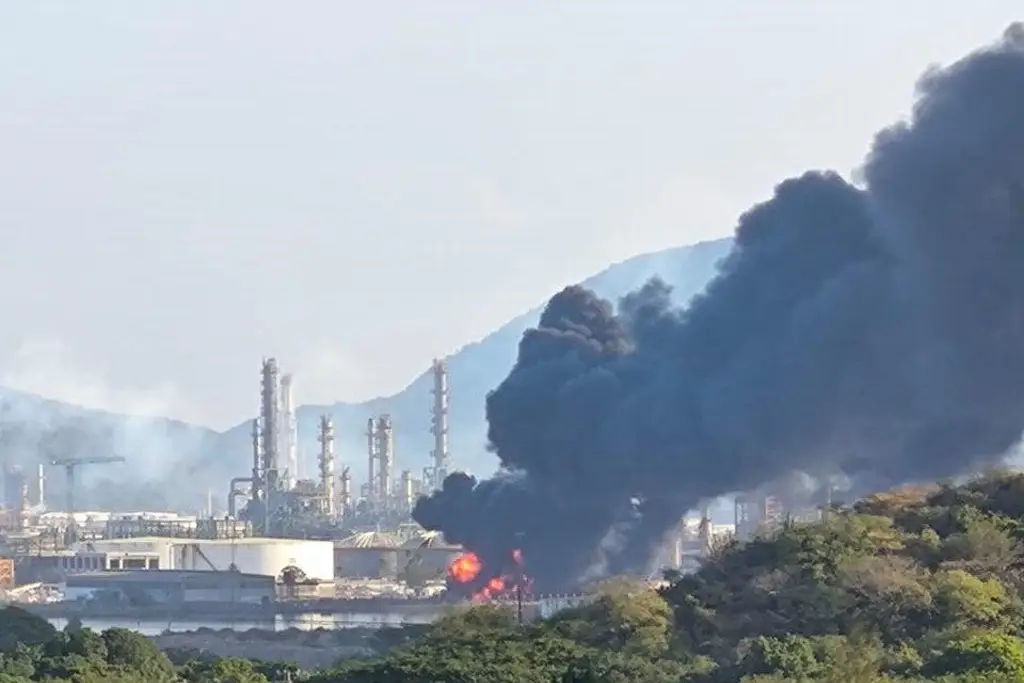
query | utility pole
(519,599)
(520,577)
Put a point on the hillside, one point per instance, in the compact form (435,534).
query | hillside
(164,455)
(476,369)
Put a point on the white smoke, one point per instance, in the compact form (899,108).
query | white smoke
(47,368)
(38,430)
(326,374)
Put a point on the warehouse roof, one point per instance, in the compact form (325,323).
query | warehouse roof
(428,539)
(165,540)
(369,539)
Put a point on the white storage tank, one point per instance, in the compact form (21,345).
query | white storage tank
(264,556)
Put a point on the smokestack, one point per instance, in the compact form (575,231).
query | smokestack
(270,436)
(23,504)
(439,424)
(386,457)
(289,433)
(345,494)
(41,487)
(371,461)
(406,486)
(257,462)
(326,439)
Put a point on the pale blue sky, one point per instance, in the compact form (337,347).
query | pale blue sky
(355,187)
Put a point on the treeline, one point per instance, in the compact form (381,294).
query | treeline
(921,584)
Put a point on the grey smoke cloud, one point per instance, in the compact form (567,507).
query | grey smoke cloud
(876,332)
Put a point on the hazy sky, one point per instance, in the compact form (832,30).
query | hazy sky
(355,187)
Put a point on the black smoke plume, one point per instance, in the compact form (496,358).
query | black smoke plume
(877,332)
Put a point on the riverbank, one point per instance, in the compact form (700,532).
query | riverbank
(309,649)
(399,610)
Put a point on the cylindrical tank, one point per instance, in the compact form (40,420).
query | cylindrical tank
(265,556)
(367,555)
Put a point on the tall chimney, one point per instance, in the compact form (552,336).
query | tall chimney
(326,439)
(23,504)
(289,432)
(371,452)
(270,425)
(386,457)
(257,462)
(345,495)
(407,491)
(41,487)
(439,423)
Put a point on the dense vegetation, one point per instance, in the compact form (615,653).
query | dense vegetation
(914,585)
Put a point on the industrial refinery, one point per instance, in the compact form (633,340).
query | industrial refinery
(342,532)
(275,501)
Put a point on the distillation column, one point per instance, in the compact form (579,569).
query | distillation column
(406,491)
(270,428)
(289,433)
(439,424)
(257,462)
(371,462)
(41,487)
(386,459)
(345,494)
(326,439)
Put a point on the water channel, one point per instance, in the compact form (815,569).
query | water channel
(303,622)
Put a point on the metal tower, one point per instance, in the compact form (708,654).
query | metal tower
(439,423)
(289,434)
(326,459)
(386,457)
(371,461)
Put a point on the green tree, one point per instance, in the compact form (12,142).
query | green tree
(128,651)
(625,616)
(963,600)
(228,670)
(18,627)
(790,656)
(981,653)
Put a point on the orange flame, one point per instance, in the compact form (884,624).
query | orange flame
(465,568)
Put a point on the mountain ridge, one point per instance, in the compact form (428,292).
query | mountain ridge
(180,461)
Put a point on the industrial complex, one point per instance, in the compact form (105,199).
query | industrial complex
(284,538)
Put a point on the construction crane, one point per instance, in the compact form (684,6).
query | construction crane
(69,465)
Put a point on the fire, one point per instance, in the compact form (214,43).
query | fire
(494,587)
(465,568)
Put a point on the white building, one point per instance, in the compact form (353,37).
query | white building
(262,556)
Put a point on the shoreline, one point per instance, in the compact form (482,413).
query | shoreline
(231,611)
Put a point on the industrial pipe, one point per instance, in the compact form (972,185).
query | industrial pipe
(234,493)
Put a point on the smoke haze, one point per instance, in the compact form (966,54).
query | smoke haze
(875,332)
(121,421)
